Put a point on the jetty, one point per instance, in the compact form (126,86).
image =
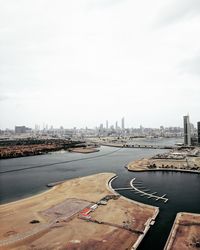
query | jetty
(125,188)
(136,187)
(149,195)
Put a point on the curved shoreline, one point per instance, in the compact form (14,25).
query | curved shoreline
(30,197)
(108,185)
(172,235)
(162,169)
(125,198)
(148,223)
(145,169)
(40,193)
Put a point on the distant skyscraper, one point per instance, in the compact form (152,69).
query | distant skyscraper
(20,129)
(198,131)
(123,123)
(187,130)
(192,129)
(101,128)
(107,125)
(116,125)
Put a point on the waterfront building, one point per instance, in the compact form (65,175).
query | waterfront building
(187,130)
(198,132)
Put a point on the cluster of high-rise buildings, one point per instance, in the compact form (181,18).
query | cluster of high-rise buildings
(115,127)
(190,132)
(190,138)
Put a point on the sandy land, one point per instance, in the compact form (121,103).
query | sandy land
(138,165)
(193,164)
(112,226)
(185,233)
(84,150)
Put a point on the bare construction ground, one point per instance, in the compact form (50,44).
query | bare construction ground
(62,218)
(185,233)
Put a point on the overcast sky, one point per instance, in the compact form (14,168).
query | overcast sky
(82,62)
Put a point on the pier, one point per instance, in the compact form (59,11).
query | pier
(144,192)
(125,188)
(149,195)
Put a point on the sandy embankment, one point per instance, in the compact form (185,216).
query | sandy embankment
(185,233)
(60,226)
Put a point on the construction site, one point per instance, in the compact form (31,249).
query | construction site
(82,213)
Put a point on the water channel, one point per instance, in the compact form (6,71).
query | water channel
(22,177)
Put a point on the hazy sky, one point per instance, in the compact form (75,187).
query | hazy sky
(82,62)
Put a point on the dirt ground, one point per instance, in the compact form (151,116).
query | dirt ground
(60,226)
(185,234)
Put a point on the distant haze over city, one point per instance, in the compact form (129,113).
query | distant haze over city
(80,63)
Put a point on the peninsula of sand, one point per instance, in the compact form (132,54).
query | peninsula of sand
(82,213)
(184,160)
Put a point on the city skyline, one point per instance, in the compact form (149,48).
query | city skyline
(81,63)
(120,123)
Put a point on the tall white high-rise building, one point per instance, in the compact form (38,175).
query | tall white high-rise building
(187,130)
(123,125)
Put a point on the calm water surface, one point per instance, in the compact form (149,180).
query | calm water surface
(23,177)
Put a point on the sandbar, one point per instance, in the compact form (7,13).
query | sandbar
(84,150)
